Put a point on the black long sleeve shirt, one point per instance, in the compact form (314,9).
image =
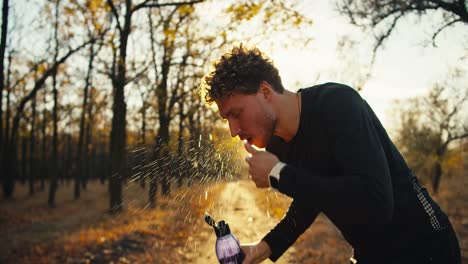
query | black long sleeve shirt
(341,162)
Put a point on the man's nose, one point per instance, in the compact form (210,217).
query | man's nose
(235,129)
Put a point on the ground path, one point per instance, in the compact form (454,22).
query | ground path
(237,206)
(82,231)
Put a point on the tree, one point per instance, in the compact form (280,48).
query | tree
(376,14)
(3,41)
(82,152)
(122,14)
(167,99)
(429,124)
(44,160)
(32,144)
(53,180)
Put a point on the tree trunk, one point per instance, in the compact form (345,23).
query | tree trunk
(117,149)
(163,132)
(24,159)
(10,168)
(3,42)
(142,155)
(4,167)
(119,110)
(153,179)
(5,142)
(8,108)
(163,151)
(89,148)
(437,176)
(54,169)
(180,147)
(80,156)
(53,181)
(69,163)
(32,143)
(44,158)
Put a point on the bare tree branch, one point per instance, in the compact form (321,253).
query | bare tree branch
(40,83)
(383,37)
(116,15)
(147,4)
(373,13)
(137,75)
(442,28)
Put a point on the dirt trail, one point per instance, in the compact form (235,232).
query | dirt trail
(247,222)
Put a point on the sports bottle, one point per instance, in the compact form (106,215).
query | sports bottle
(228,248)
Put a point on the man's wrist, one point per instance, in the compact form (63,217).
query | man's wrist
(264,251)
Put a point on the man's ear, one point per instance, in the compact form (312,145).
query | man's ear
(266,90)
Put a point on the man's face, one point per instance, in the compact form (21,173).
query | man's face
(251,117)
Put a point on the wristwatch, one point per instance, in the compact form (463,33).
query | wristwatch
(274,175)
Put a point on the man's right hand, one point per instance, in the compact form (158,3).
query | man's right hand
(256,252)
(260,165)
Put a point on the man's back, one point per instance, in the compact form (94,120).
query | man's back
(341,162)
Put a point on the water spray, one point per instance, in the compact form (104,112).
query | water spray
(228,248)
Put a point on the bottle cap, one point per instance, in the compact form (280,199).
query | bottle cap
(223,229)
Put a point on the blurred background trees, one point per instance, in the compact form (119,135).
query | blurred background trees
(432,130)
(107,89)
(105,92)
(381,17)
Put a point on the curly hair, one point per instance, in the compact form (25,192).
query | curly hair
(239,71)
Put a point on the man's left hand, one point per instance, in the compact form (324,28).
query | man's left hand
(260,165)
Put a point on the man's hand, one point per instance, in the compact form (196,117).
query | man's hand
(256,252)
(260,165)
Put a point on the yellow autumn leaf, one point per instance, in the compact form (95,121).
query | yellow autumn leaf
(69,11)
(41,68)
(170,34)
(95,4)
(298,21)
(186,9)
(97,25)
(242,11)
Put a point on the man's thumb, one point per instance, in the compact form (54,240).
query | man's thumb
(250,149)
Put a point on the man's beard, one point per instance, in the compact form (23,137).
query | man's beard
(268,125)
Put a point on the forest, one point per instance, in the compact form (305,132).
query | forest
(108,154)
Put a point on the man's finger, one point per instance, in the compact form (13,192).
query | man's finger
(249,148)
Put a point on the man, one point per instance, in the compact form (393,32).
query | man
(327,150)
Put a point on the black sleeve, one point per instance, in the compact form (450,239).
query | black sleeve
(362,192)
(299,217)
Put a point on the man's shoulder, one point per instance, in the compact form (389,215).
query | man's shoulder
(326,87)
(328,91)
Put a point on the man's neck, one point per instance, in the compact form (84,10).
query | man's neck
(287,107)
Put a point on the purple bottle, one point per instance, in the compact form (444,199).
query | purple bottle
(228,248)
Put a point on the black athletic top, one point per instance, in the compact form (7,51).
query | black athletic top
(341,162)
